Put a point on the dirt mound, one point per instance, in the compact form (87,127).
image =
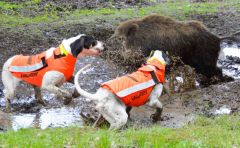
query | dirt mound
(118,54)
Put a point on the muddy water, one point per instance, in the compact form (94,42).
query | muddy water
(53,117)
(27,113)
(230,63)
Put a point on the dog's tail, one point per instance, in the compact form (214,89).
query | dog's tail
(78,87)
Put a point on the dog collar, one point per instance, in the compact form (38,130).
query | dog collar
(152,60)
(63,51)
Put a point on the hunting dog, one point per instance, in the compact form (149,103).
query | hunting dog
(48,70)
(141,87)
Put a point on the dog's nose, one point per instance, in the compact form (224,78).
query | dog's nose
(104,47)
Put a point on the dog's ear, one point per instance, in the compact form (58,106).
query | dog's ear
(166,58)
(76,47)
(89,42)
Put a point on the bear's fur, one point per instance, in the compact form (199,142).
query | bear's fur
(190,40)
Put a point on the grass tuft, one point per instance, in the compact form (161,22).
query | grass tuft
(221,131)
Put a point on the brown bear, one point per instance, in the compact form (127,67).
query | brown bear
(190,40)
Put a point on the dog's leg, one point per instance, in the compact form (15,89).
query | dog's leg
(157,115)
(51,80)
(115,113)
(96,122)
(128,109)
(75,93)
(100,107)
(38,95)
(99,120)
(154,102)
(8,95)
(10,83)
(121,117)
(67,97)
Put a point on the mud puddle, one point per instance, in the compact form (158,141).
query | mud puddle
(230,63)
(174,115)
(27,113)
(53,117)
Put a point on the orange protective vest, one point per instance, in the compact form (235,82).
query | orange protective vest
(31,69)
(134,89)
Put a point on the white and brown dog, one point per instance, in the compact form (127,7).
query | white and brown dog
(144,86)
(48,70)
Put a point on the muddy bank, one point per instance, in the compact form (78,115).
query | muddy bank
(208,100)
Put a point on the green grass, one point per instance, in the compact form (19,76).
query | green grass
(180,10)
(14,21)
(9,6)
(223,131)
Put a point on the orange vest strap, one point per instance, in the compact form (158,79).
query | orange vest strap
(145,68)
(154,77)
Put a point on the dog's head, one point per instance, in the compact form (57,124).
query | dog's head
(84,45)
(159,56)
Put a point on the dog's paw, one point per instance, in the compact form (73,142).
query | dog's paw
(8,107)
(42,102)
(75,94)
(7,110)
(67,101)
(155,117)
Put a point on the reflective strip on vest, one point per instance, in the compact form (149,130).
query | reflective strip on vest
(135,88)
(152,67)
(28,68)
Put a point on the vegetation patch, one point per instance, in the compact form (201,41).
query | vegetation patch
(221,131)
(30,12)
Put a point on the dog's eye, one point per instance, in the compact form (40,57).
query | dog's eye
(94,43)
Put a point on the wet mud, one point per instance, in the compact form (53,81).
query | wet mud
(179,111)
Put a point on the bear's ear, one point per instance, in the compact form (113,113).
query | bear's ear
(132,29)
